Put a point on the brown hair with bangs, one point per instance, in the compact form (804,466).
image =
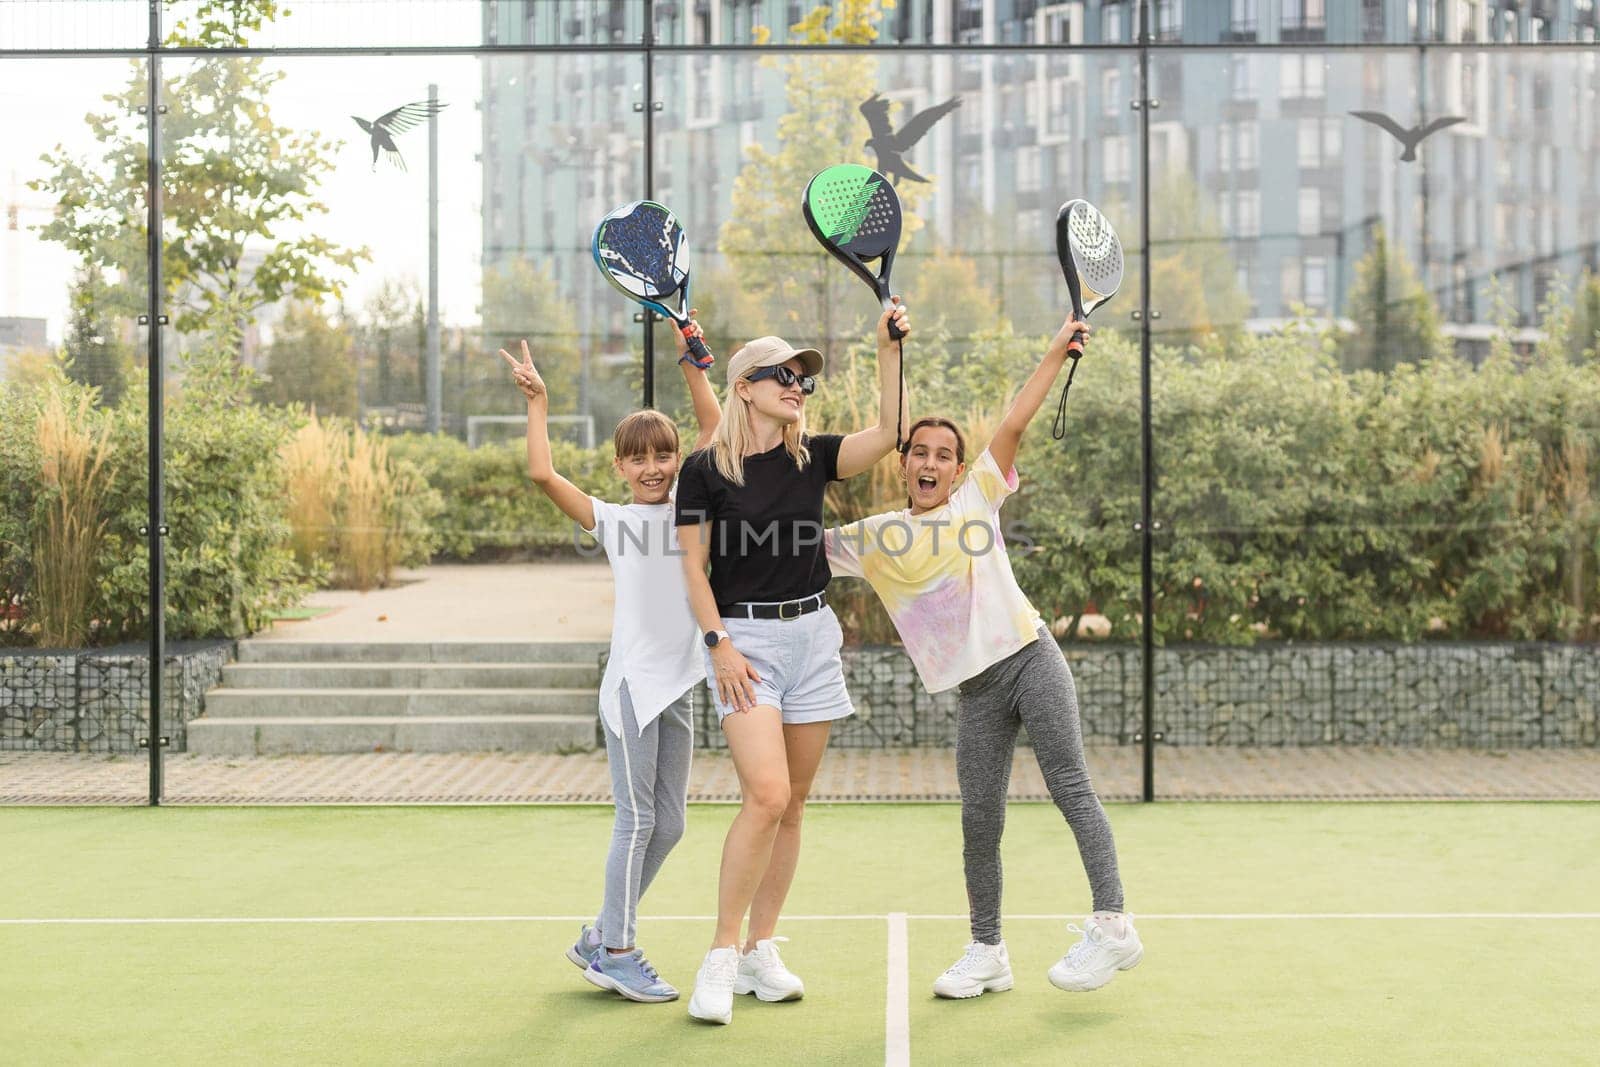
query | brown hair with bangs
(644,433)
(924,423)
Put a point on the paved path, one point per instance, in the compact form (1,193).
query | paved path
(547,601)
(846,775)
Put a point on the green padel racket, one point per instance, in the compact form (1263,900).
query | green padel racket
(854,212)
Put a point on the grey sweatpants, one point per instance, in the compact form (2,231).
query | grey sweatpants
(650,781)
(1032,687)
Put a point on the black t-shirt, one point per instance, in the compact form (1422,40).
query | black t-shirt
(766,535)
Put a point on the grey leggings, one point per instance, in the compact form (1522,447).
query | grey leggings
(1031,687)
(650,781)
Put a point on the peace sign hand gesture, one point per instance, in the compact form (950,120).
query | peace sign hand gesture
(526,375)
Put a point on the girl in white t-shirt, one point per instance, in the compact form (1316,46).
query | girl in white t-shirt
(941,570)
(653,666)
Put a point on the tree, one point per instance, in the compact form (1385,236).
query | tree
(1585,337)
(1194,281)
(232,180)
(310,362)
(1396,319)
(522,302)
(94,354)
(391,338)
(767,248)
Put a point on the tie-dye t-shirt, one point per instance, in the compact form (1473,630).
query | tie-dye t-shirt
(944,578)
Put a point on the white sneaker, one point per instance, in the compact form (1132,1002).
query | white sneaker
(712,1001)
(983,969)
(761,971)
(1096,959)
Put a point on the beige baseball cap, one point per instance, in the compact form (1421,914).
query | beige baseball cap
(769,352)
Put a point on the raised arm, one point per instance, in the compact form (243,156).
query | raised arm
(707,412)
(1008,437)
(541,468)
(860,450)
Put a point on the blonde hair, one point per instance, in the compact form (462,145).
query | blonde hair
(734,436)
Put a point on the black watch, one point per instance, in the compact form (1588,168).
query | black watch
(715,637)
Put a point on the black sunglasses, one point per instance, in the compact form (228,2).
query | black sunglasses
(786,378)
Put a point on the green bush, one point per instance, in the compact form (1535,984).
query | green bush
(228,564)
(491,508)
(1300,503)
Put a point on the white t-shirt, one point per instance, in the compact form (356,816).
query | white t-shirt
(655,641)
(944,578)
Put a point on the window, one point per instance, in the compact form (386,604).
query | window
(1372,20)
(1169,20)
(1310,212)
(1115,151)
(1303,15)
(1319,142)
(1303,77)
(1243,16)
(1054,25)
(1469,20)
(1238,145)
(1111,92)
(1247,144)
(1064,167)
(1028,178)
(1241,213)
(1111,23)
(1314,282)
(1241,78)
(1058,108)
(1289,282)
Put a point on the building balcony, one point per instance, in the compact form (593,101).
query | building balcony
(1304,30)
(1240,31)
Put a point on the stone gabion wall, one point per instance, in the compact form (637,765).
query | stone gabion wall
(98,701)
(1444,695)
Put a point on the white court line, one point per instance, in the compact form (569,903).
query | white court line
(897,1008)
(224,920)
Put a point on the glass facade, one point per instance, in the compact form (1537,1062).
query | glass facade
(1358,328)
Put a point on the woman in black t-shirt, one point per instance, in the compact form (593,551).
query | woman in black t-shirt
(750,507)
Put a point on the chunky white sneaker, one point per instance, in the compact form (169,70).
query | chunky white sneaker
(761,971)
(712,1001)
(983,969)
(1096,959)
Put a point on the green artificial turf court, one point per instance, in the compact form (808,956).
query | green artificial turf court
(1270,930)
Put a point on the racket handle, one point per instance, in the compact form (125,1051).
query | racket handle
(698,353)
(895,332)
(1076,344)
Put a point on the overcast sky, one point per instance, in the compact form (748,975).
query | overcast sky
(45,101)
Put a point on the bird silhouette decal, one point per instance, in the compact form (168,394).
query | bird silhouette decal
(891,144)
(1409,139)
(387,126)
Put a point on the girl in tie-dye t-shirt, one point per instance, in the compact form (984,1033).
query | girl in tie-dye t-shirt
(941,570)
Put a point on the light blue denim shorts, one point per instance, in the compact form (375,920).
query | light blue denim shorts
(798,661)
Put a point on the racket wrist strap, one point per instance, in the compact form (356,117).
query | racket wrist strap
(688,357)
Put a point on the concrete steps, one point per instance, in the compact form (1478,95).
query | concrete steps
(290,697)
(409,676)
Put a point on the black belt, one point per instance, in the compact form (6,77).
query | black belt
(788,609)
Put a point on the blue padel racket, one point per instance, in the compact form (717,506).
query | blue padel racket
(1091,261)
(641,249)
(854,212)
